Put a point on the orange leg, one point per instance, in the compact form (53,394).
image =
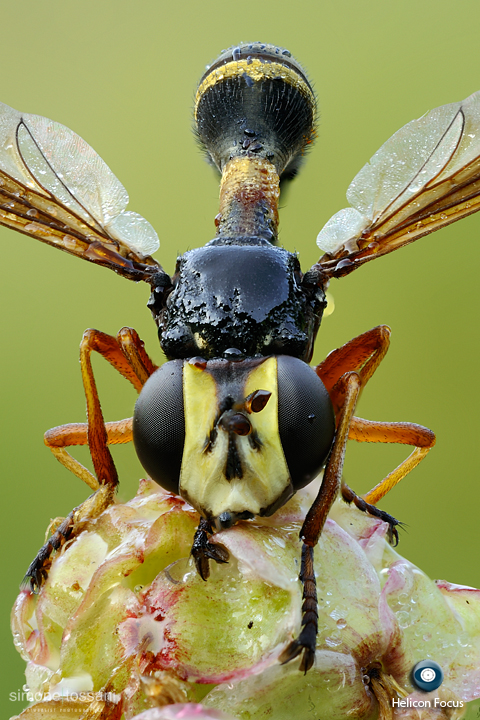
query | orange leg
(418,436)
(363,354)
(350,384)
(126,353)
(345,372)
(58,438)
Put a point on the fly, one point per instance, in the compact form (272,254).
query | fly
(236,421)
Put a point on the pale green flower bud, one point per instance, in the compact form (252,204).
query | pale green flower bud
(124,627)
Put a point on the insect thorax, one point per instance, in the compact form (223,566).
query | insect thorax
(244,294)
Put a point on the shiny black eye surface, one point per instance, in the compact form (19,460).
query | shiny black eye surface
(159,425)
(306,420)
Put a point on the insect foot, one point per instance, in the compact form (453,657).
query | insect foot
(351,497)
(203,551)
(124,622)
(71,526)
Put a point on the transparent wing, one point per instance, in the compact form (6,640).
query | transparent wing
(424,177)
(54,186)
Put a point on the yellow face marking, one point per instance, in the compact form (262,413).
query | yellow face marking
(202,477)
(256,70)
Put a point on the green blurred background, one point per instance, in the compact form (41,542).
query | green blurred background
(123,76)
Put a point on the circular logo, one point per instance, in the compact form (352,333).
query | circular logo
(427,675)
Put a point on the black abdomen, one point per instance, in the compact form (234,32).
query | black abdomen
(256,99)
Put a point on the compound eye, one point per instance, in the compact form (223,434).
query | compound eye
(159,425)
(306,421)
